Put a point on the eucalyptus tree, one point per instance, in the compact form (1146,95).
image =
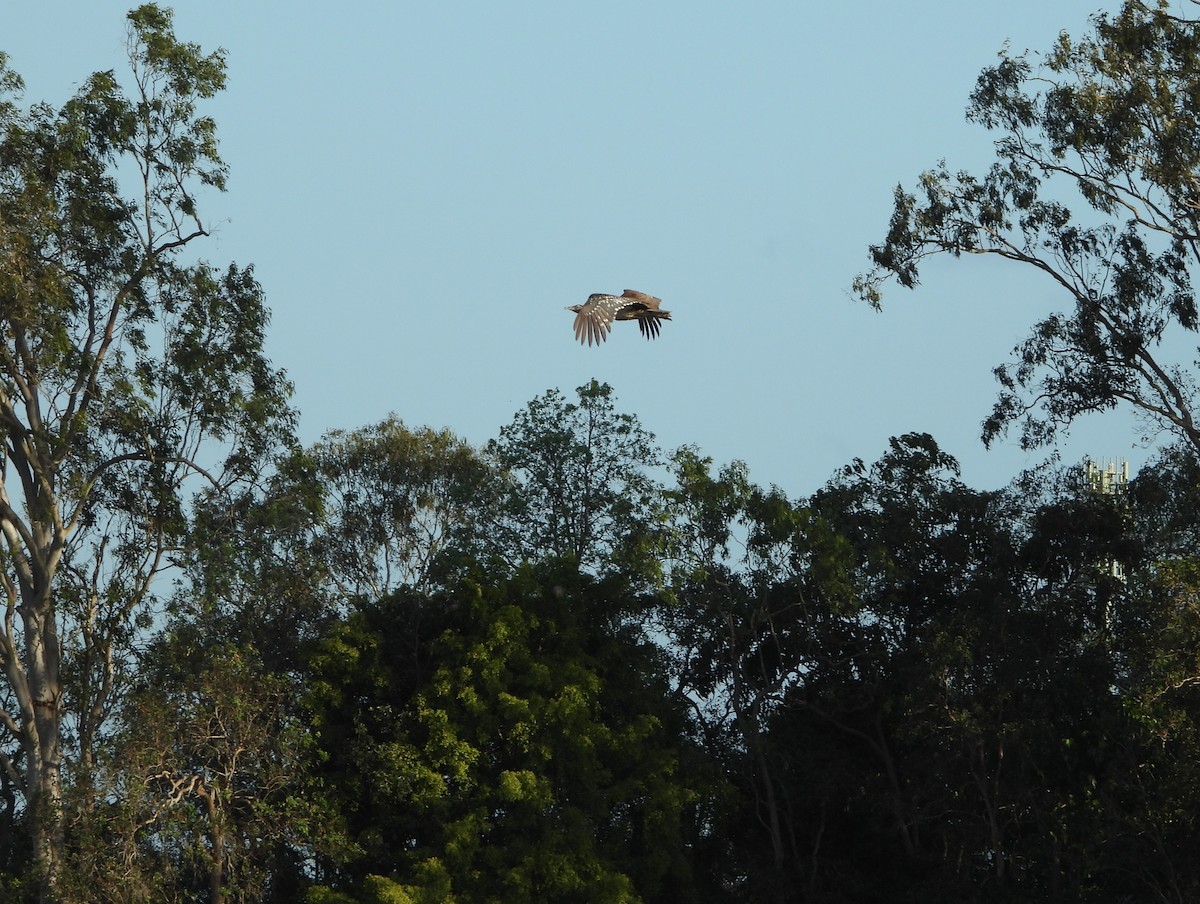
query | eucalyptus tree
(128,371)
(207,793)
(910,682)
(581,481)
(752,578)
(397,500)
(1096,186)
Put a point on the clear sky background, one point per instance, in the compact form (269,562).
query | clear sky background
(422,187)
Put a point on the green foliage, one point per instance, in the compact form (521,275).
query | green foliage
(1109,120)
(398,501)
(207,775)
(754,577)
(252,575)
(128,379)
(918,686)
(321,894)
(533,755)
(433,887)
(580,482)
(397,669)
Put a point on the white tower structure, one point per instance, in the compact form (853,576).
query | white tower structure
(1108,479)
(1111,479)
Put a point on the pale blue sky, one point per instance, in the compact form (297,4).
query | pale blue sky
(422,187)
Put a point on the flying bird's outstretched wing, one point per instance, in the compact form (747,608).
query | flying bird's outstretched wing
(646,310)
(594,318)
(641,299)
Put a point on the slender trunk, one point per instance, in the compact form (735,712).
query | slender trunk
(46,828)
(42,716)
(774,826)
(907,834)
(988,783)
(766,798)
(216,870)
(878,744)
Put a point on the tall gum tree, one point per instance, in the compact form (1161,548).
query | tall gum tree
(1110,125)
(580,481)
(125,372)
(396,500)
(752,575)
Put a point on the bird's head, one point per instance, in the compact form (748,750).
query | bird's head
(574,309)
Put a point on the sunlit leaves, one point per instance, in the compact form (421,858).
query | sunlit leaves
(527,748)
(1109,125)
(580,480)
(129,381)
(397,500)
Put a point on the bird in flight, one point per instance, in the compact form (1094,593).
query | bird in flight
(595,317)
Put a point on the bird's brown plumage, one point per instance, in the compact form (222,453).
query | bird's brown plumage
(594,318)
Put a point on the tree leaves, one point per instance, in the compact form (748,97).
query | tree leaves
(580,480)
(1107,120)
(124,376)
